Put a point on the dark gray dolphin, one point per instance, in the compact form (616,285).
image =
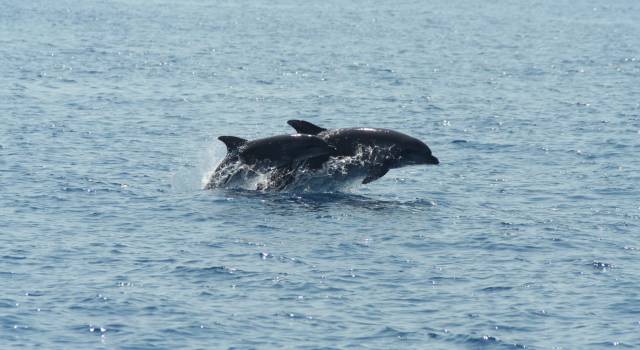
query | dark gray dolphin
(391,149)
(283,153)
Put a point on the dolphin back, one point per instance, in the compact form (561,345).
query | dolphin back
(284,149)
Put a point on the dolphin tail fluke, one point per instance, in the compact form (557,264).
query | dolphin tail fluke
(304,127)
(232,142)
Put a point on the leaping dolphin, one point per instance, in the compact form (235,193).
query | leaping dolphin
(392,149)
(282,153)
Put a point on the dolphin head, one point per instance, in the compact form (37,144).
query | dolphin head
(309,146)
(416,152)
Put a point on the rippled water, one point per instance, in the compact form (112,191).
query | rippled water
(526,234)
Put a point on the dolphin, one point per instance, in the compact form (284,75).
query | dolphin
(282,153)
(390,149)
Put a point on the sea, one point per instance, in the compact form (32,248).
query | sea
(526,236)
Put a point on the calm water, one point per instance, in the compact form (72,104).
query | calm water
(526,236)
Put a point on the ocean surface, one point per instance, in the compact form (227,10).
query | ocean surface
(527,235)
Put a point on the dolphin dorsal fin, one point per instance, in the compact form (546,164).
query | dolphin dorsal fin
(304,127)
(232,142)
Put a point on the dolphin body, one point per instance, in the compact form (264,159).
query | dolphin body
(387,149)
(277,155)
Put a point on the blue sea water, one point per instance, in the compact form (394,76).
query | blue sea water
(527,235)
